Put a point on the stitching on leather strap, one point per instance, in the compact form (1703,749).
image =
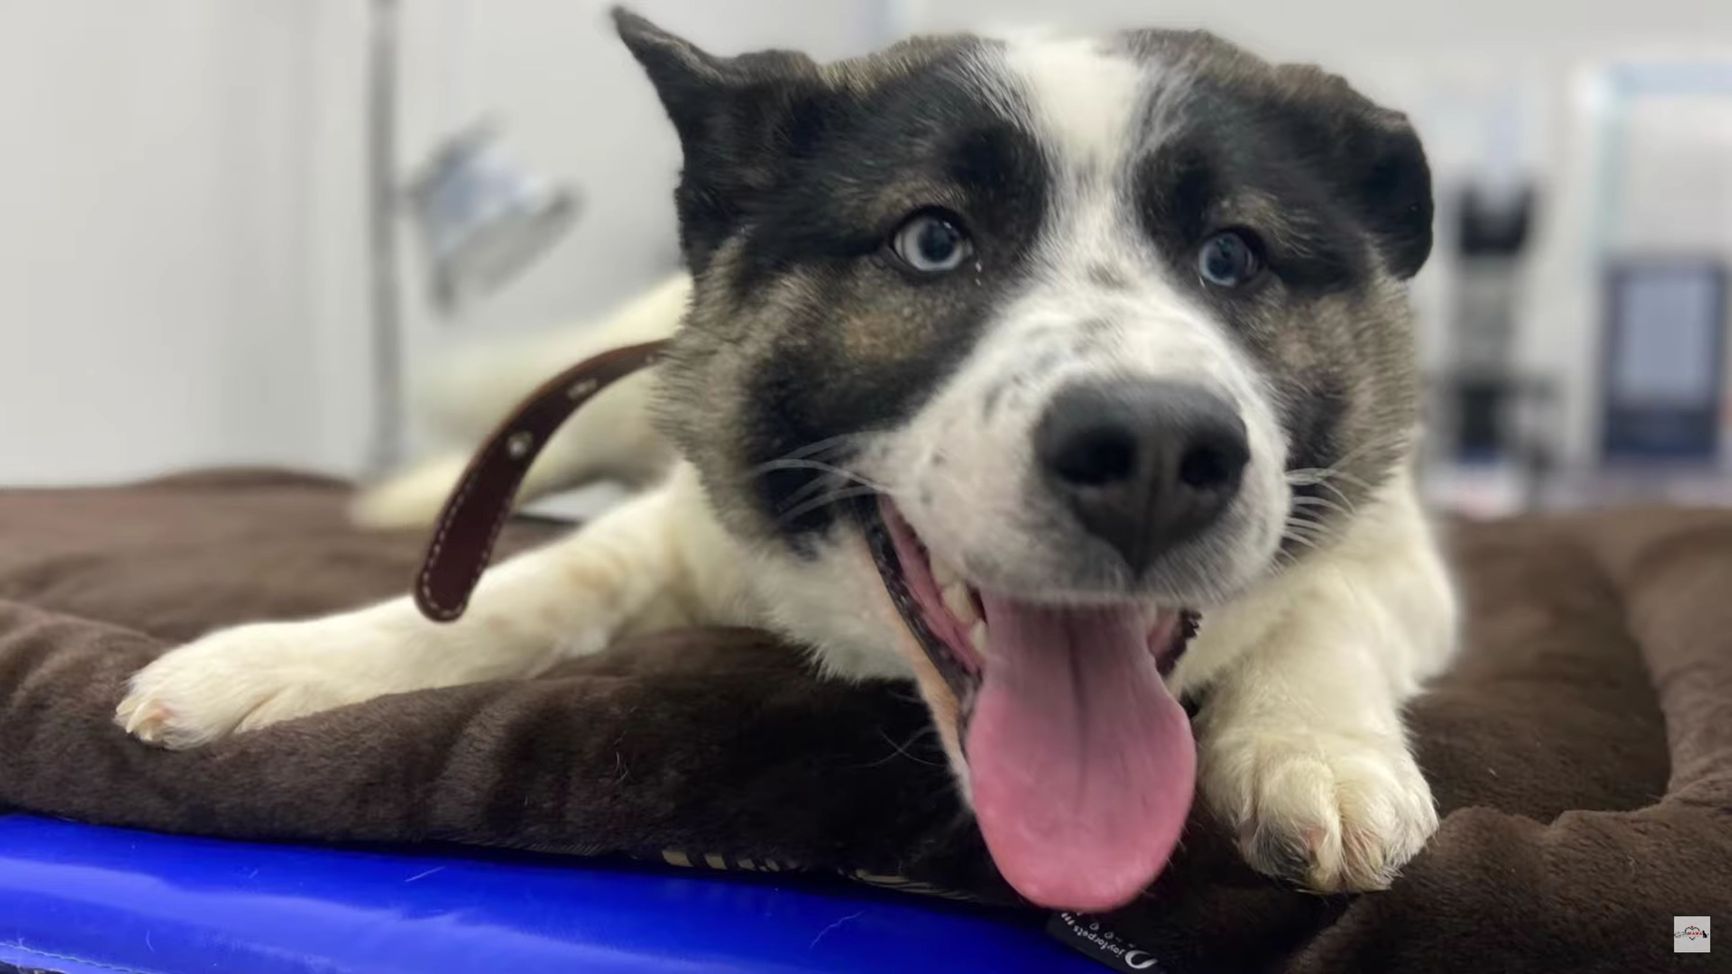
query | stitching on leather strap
(550,405)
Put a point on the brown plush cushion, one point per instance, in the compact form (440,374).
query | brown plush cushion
(1581,748)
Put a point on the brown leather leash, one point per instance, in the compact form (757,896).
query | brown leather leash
(469,524)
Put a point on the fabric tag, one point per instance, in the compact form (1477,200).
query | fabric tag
(1089,936)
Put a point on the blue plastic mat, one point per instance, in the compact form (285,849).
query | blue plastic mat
(82,899)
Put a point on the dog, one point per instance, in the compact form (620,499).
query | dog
(1071,378)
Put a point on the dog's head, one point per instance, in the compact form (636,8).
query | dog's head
(1023,351)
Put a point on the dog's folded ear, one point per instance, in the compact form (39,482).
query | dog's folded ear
(740,119)
(1373,156)
(1393,187)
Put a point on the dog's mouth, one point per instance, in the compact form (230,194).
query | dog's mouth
(1079,760)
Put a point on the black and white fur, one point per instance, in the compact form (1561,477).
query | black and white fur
(810,368)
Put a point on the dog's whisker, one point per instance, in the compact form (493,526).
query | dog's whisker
(1352,508)
(1302,476)
(816,485)
(839,479)
(1298,522)
(806,458)
(1345,510)
(1312,476)
(815,465)
(820,447)
(1346,478)
(1322,480)
(825,500)
(903,750)
(1309,534)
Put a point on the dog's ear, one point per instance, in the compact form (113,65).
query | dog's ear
(740,121)
(1373,157)
(1393,184)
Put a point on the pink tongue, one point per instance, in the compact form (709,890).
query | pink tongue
(1081,764)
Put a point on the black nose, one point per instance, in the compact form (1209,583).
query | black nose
(1144,464)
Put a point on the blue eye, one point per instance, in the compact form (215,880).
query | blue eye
(1227,259)
(932,242)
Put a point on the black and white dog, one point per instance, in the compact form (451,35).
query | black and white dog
(1000,363)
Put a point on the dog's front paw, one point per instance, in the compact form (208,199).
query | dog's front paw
(243,678)
(1332,813)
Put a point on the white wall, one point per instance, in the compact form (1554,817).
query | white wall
(153,248)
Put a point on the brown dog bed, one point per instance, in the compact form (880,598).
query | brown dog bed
(1581,747)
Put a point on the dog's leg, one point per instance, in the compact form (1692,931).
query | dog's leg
(611,438)
(413,497)
(1303,752)
(636,563)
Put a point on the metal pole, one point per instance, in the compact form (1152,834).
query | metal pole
(387,323)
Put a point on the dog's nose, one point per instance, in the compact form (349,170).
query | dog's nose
(1144,464)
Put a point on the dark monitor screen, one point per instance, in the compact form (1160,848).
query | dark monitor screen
(1663,370)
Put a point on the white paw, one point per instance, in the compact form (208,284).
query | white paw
(1332,813)
(245,678)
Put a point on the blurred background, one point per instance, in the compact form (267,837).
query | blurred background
(229,228)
